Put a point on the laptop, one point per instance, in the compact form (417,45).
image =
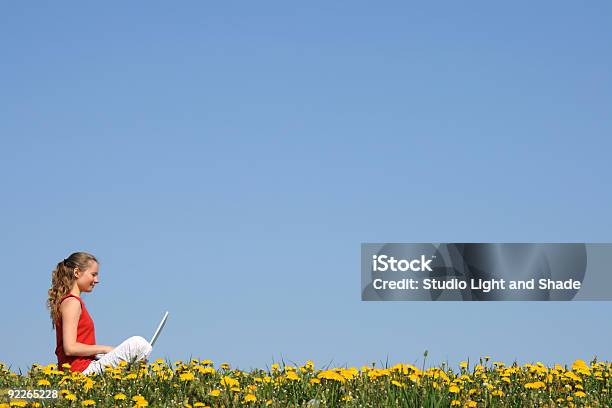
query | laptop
(158,331)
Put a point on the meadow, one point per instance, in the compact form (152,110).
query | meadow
(199,383)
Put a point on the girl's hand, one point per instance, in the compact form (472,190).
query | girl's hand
(107,349)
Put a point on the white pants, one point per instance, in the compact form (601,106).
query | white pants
(131,350)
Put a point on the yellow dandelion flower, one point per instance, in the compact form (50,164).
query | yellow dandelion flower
(315,381)
(539,384)
(471,404)
(214,393)
(186,377)
(18,404)
(229,382)
(70,397)
(349,373)
(463,364)
(535,385)
(89,383)
(88,403)
(200,404)
(453,389)
(455,402)
(250,398)
(120,397)
(138,397)
(291,375)
(43,382)
(580,394)
(331,375)
(225,366)
(375,373)
(347,398)
(579,364)
(573,376)
(498,393)
(131,376)
(206,362)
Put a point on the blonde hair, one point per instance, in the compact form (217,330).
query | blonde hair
(62,280)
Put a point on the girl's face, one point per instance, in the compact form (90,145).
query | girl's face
(88,278)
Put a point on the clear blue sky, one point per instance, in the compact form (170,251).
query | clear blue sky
(225,162)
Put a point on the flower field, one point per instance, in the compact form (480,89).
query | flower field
(198,383)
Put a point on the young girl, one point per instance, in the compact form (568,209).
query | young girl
(75,332)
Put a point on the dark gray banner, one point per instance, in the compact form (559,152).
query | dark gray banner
(486,271)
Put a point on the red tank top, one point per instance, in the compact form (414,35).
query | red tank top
(86,334)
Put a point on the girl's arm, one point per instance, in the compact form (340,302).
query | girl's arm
(70,310)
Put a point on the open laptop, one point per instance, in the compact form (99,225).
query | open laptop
(158,331)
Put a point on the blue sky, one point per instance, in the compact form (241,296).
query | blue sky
(225,162)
